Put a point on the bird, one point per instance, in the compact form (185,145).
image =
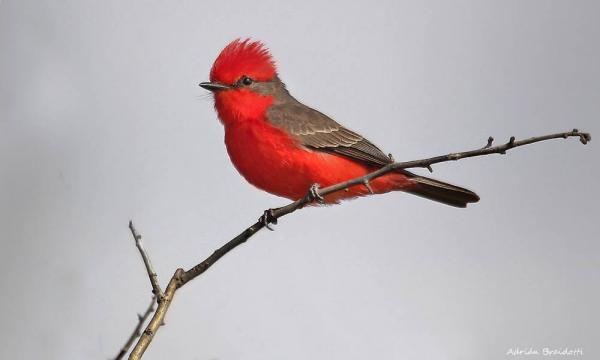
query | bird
(285,148)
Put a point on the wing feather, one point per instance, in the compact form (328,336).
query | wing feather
(318,131)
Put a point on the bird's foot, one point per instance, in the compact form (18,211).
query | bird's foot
(268,218)
(313,194)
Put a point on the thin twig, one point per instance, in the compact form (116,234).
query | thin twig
(426,163)
(181,277)
(156,290)
(137,331)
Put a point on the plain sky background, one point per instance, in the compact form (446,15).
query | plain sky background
(102,121)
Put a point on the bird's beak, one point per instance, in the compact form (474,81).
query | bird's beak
(214,86)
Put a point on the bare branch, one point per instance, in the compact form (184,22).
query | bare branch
(157,319)
(181,277)
(156,290)
(314,194)
(137,331)
(219,253)
(426,163)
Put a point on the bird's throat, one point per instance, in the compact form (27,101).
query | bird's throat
(241,106)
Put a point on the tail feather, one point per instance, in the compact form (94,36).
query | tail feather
(440,191)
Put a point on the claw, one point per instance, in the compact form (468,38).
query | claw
(267,219)
(313,194)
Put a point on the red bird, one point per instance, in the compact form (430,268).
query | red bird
(284,147)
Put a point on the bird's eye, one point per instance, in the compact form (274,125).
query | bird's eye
(246,80)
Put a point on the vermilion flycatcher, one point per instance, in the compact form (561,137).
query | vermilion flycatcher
(284,147)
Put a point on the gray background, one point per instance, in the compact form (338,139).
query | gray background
(102,121)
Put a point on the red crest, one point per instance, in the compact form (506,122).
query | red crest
(239,58)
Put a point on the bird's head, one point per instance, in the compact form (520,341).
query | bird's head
(244,80)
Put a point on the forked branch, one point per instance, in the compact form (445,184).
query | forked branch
(181,277)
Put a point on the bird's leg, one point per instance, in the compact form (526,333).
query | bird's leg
(313,194)
(268,218)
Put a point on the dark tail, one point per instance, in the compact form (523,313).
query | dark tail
(440,191)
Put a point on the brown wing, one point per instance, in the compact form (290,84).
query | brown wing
(317,131)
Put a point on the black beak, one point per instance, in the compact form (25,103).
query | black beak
(214,86)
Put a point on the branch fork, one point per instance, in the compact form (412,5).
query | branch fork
(314,193)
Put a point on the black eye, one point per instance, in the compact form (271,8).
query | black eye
(246,80)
